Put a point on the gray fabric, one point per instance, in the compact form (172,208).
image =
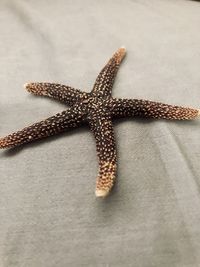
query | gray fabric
(49,215)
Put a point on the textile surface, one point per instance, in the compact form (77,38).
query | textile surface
(49,215)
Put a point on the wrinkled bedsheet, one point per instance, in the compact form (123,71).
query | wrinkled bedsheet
(49,215)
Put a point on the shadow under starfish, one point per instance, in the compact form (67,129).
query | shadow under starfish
(97,109)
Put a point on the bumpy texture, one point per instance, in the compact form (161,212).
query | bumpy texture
(96,108)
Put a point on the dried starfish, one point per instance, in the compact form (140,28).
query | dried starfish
(96,108)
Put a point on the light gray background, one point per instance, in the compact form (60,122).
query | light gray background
(49,215)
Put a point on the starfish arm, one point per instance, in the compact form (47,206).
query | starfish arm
(102,128)
(105,79)
(53,125)
(150,109)
(57,91)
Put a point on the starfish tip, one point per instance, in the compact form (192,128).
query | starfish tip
(25,85)
(101,193)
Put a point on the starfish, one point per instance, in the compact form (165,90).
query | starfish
(97,109)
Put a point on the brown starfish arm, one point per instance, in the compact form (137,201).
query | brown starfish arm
(53,125)
(150,109)
(104,82)
(57,91)
(102,128)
